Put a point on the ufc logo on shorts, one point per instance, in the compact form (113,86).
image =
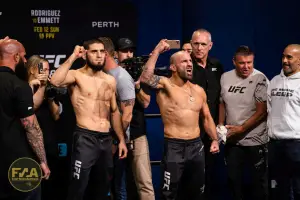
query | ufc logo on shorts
(202,189)
(167,180)
(77,169)
(236,89)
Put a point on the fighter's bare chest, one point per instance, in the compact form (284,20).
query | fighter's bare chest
(188,101)
(180,101)
(94,88)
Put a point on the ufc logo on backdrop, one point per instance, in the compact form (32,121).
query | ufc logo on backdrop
(77,169)
(236,89)
(167,180)
(55,59)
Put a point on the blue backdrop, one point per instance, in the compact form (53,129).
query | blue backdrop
(266,26)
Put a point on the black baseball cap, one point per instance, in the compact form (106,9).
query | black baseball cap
(125,43)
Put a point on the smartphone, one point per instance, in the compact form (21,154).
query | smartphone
(40,68)
(174,44)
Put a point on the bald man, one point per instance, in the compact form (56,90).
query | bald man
(284,126)
(180,103)
(207,73)
(20,133)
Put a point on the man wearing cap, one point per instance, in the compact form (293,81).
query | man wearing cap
(124,49)
(139,160)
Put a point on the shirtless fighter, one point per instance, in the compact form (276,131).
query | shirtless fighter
(93,97)
(180,104)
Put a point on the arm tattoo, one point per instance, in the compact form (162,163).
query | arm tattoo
(153,81)
(129,102)
(150,78)
(35,137)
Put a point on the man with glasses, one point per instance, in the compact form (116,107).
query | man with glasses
(207,73)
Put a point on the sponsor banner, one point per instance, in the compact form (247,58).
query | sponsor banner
(52,30)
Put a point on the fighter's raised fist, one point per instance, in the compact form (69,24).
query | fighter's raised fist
(79,51)
(162,46)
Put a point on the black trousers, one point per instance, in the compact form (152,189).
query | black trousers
(92,165)
(32,195)
(50,187)
(214,189)
(183,169)
(285,168)
(255,157)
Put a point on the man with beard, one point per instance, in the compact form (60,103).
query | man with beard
(283,123)
(94,101)
(20,134)
(181,103)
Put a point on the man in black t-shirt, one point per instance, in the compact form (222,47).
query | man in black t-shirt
(207,73)
(20,134)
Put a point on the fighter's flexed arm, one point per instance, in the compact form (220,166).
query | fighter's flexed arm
(148,75)
(63,76)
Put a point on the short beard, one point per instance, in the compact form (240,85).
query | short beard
(95,68)
(184,77)
(20,70)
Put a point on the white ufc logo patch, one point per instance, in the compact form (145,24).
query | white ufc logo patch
(77,169)
(167,178)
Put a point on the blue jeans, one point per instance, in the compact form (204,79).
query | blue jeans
(120,166)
